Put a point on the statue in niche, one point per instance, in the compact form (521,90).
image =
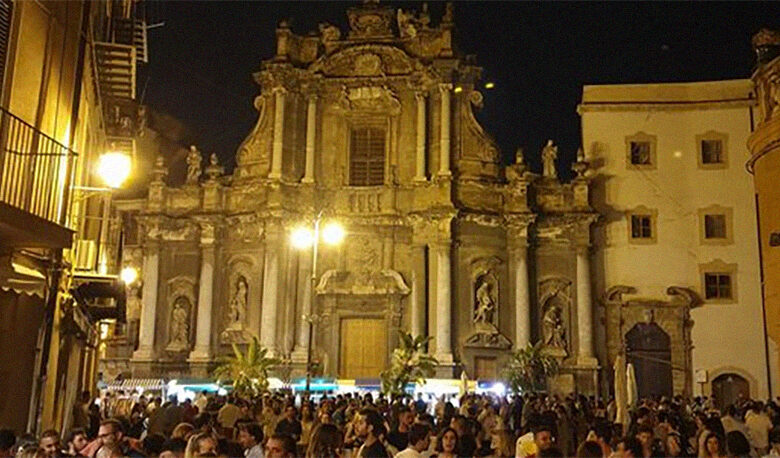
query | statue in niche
(237,312)
(549,156)
(485,303)
(193,165)
(553,332)
(180,326)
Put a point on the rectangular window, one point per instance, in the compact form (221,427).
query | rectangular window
(367,156)
(717,286)
(640,153)
(641,226)
(711,152)
(715,226)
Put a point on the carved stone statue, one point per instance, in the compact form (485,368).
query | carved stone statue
(180,326)
(329,32)
(193,165)
(549,156)
(485,305)
(553,332)
(237,312)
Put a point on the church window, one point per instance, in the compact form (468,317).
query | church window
(715,226)
(717,285)
(712,150)
(641,226)
(367,156)
(640,153)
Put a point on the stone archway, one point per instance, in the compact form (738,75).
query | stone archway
(649,350)
(728,388)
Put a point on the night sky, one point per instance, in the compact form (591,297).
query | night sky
(539,55)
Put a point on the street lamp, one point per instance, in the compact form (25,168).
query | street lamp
(114,168)
(303,238)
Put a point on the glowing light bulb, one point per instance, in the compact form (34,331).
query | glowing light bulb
(114,168)
(333,234)
(301,238)
(129,275)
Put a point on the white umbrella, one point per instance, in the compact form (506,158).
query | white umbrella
(620,390)
(631,388)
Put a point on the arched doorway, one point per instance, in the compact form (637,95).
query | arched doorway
(649,350)
(728,388)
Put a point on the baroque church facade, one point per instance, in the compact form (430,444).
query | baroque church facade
(375,128)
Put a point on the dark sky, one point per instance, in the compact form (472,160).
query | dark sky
(538,54)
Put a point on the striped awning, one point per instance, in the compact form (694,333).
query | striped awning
(134,383)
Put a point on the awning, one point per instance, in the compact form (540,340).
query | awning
(103,296)
(19,278)
(131,384)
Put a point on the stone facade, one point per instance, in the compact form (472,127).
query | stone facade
(764,164)
(443,240)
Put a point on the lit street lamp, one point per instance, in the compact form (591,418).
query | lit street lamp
(303,238)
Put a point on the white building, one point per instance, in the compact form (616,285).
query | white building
(677,262)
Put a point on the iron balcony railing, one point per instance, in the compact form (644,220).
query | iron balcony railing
(36,170)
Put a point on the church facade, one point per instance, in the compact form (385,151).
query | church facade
(373,127)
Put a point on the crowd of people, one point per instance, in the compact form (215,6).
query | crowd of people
(352,425)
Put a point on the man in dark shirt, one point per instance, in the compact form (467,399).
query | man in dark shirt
(289,425)
(370,427)
(399,437)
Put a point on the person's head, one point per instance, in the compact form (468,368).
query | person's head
(7,441)
(629,447)
(644,435)
(50,442)
(290,412)
(447,441)
(110,433)
(153,444)
(182,431)
(173,448)
(325,442)
(420,436)
(250,434)
(202,443)
(673,444)
(369,424)
(76,440)
(712,445)
(460,424)
(603,430)
(30,451)
(280,446)
(589,449)
(405,418)
(737,444)
(543,436)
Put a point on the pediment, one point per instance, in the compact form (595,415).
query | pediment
(366,61)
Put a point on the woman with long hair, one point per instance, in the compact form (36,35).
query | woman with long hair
(713,447)
(325,442)
(447,444)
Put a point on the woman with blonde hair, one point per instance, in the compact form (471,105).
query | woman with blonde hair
(200,444)
(182,431)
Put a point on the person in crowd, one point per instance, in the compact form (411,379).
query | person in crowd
(737,445)
(629,447)
(713,447)
(774,443)
(399,436)
(537,441)
(326,442)
(228,415)
(370,427)
(307,425)
(419,439)
(280,446)
(174,448)
(182,431)
(289,425)
(250,436)
(467,443)
(50,443)
(76,441)
(758,425)
(201,444)
(447,445)
(589,449)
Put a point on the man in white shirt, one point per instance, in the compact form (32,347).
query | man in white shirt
(419,441)
(759,424)
(201,402)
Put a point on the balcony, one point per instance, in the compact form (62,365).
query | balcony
(36,172)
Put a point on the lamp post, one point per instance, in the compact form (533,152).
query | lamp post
(302,238)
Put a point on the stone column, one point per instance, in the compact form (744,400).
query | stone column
(584,309)
(311,132)
(145,350)
(522,301)
(444,139)
(419,172)
(278,136)
(304,279)
(202,350)
(443,304)
(270,296)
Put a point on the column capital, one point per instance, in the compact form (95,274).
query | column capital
(420,96)
(445,87)
(279,90)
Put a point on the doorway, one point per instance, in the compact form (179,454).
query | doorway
(649,351)
(729,388)
(363,347)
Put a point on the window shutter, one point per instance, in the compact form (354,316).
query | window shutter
(367,157)
(6,10)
